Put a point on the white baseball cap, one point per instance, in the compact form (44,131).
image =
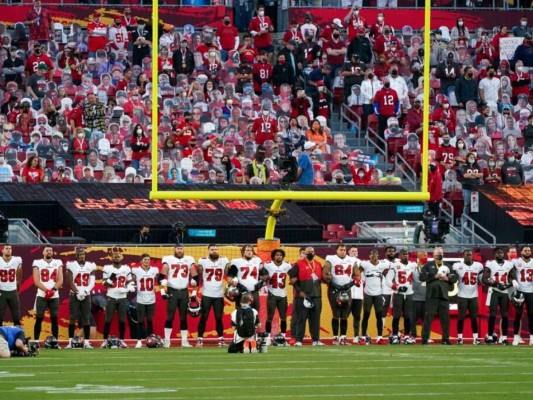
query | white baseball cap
(337,22)
(309,145)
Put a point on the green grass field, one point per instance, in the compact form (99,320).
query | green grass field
(399,372)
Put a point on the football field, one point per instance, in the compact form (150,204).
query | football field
(398,372)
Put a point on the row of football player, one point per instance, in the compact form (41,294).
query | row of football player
(344,273)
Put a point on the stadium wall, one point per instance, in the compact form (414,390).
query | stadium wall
(201,16)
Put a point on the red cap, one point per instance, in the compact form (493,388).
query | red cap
(211,137)
(509,154)
(239,173)
(320,83)
(97,14)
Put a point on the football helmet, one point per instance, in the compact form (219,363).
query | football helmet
(491,339)
(113,343)
(308,303)
(154,341)
(77,342)
(343,298)
(231,293)
(517,299)
(193,307)
(444,270)
(279,340)
(50,343)
(394,339)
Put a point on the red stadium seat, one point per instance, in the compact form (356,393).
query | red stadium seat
(456,199)
(338,95)
(335,227)
(355,229)
(346,234)
(326,235)
(373,122)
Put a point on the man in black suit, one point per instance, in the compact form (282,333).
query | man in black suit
(439,280)
(183,59)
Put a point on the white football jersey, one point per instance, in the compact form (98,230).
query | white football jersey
(278,278)
(179,271)
(467,278)
(499,272)
(373,275)
(213,276)
(123,275)
(524,274)
(402,274)
(341,269)
(81,275)
(248,271)
(119,37)
(357,292)
(145,281)
(8,273)
(48,274)
(389,266)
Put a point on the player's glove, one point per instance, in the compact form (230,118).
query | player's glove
(515,284)
(357,282)
(49,294)
(111,278)
(131,287)
(259,284)
(403,289)
(394,286)
(81,295)
(164,294)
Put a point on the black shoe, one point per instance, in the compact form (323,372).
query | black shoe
(425,342)
(446,343)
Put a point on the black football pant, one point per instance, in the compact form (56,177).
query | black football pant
(528,302)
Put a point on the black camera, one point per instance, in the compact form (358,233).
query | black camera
(179,226)
(435,228)
(289,166)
